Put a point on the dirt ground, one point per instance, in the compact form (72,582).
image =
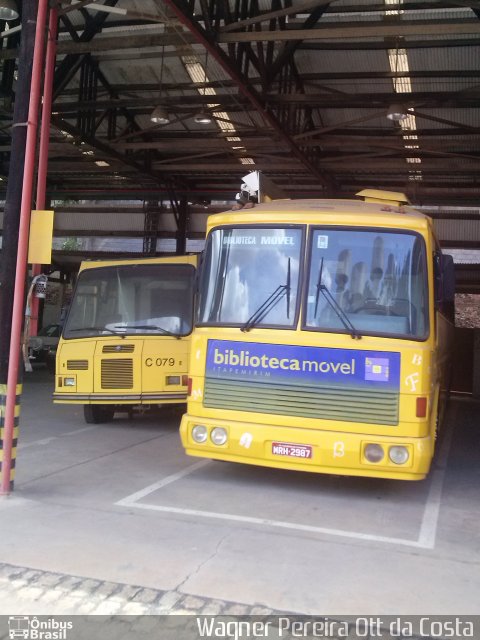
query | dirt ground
(467,310)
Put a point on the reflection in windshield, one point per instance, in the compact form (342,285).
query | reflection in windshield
(378,280)
(132,299)
(342,316)
(243,268)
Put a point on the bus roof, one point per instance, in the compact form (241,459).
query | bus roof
(338,212)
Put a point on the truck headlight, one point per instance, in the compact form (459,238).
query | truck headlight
(218,436)
(199,433)
(373,452)
(398,455)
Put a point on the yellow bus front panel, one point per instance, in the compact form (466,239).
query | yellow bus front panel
(314,450)
(316,419)
(128,371)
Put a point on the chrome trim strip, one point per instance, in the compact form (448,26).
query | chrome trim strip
(137,398)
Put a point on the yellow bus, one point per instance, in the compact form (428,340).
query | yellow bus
(321,339)
(126,338)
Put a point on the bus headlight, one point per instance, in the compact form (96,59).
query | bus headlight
(218,436)
(69,382)
(199,433)
(373,452)
(398,455)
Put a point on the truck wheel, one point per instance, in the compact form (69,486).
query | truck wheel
(98,413)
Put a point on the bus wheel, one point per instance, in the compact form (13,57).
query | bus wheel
(98,413)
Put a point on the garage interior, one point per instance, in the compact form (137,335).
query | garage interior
(159,108)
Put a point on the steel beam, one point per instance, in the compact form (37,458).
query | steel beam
(399,29)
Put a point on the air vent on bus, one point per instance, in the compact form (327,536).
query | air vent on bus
(327,403)
(117,373)
(118,348)
(77,365)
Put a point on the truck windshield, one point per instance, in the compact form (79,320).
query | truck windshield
(245,267)
(377,278)
(148,299)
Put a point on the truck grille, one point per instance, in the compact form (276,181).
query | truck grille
(77,365)
(328,403)
(117,373)
(118,348)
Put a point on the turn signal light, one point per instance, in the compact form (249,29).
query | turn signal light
(184,381)
(421,407)
(189,386)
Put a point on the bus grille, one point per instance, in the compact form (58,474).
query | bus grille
(118,348)
(77,365)
(327,403)
(117,374)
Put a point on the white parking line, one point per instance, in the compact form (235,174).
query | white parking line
(428,528)
(134,497)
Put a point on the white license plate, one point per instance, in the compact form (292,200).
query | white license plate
(291,450)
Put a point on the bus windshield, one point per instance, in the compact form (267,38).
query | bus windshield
(148,299)
(377,279)
(251,277)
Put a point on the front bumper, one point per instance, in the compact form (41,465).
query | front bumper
(104,398)
(317,451)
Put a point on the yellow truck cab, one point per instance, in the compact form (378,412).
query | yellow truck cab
(126,338)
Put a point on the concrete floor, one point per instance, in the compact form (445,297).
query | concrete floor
(122,503)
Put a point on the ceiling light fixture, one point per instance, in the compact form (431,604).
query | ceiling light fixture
(397,112)
(160,116)
(8,10)
(203,118)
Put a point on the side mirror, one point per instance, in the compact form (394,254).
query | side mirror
(449,286)
(448,277)
(444,277)
(438,279)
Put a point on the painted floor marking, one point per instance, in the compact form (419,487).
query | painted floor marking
(431,514)
(428,528)
(134,497)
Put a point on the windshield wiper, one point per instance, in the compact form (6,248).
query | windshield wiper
(344,319)
(153,327)
(270,302)
(115,333)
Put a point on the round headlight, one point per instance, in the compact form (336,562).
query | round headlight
(199,433)
(398,455)
(218,435)
(373,452)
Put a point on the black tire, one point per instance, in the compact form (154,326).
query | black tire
(98,413)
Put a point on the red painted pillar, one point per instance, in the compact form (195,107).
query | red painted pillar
(22,250)
(44,142)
